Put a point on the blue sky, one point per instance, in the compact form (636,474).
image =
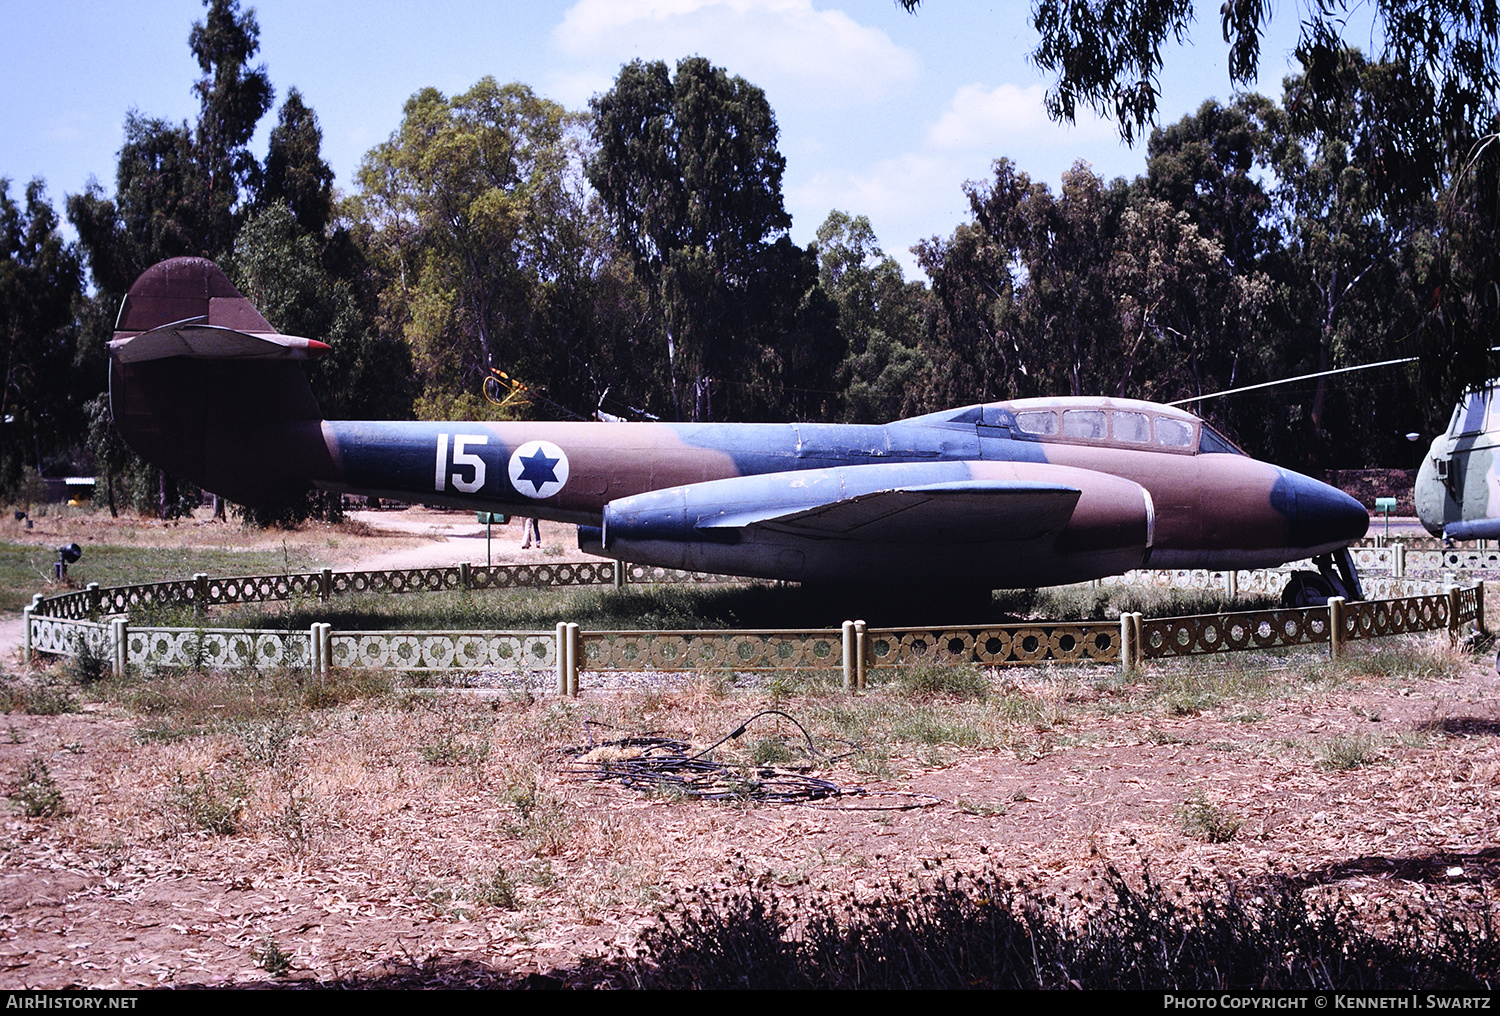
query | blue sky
(882,113)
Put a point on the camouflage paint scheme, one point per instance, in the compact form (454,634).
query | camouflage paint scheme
(1007,494)
(1457,493)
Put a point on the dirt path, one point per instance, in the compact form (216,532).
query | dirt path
(457,538)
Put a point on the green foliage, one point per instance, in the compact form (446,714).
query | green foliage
(1349,751)
(211,807)
(270,957)
(499,890)
(40,280)
(688,171)
(959,682)
(38,696)
(472,216)
(1203,820)
(89,665)
(887,372)
(35,792)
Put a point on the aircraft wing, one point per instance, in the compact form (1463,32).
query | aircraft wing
(963,511)
(196,340)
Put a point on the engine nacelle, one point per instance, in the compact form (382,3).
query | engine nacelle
(1024,524)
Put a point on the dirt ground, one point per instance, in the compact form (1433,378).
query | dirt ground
(432,840)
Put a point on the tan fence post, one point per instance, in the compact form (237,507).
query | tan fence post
(1140,640)
(26,636)
(119,647)
(562,657)
(1335,627)
(1398,560)
(574,658)
(93,591)
(1454,625)
(851,677)
(1127,642)
(861,653)
(314,658)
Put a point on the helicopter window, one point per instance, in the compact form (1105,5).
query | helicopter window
(1037,423)
(1131,426)
(1173,433)
(1474,412)
(1084,423)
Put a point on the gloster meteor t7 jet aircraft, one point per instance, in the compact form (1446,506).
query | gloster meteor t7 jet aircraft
(1032,492)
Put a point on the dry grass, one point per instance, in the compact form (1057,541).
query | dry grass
(360,831)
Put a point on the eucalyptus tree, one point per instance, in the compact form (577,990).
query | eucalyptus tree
(40,281)
(887,372)
(687,168)
(462,207)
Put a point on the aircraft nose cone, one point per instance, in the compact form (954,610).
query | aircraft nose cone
(1318,515)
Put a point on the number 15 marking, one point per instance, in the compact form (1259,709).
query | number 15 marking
(461,458)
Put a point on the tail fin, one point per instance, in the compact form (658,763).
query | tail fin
(202,386)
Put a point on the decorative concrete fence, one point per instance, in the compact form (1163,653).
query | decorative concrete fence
(72,623)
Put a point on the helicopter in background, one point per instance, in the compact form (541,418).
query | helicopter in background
(1457,493)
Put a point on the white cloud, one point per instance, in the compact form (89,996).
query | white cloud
(913,195)
(777,44)
(1008,116)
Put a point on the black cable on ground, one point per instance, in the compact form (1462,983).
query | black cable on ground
(661,765)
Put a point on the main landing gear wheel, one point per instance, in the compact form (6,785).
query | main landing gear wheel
(1306,589)
(1335,577)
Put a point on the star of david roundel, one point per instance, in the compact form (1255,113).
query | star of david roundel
(538,469)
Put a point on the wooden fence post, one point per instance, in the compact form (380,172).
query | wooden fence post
(200,593)
(1335,627)
(325,584)
(463,575)
(621,578)
(562,657)
(1479,607)
(1454,625)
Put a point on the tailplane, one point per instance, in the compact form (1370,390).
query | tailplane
(202,386)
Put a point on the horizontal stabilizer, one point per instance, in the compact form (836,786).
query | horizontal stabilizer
(194,339)
(962,511)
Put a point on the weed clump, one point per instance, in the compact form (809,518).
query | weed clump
(35,792)
(956,682)
(1203,820)
(204,805)
(38,697)
(270,957)
(499,890)
(1349,751)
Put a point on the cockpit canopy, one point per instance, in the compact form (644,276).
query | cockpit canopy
(1118,423)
